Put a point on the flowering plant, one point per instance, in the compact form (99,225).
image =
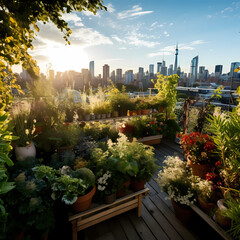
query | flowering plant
(199,147)
(24,128)
(177,181)
(106,183)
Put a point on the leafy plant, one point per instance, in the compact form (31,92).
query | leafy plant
(166,86)
(86,174)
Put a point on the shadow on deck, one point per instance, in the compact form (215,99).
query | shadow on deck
(158,220)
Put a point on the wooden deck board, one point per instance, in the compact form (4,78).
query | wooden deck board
(158,220)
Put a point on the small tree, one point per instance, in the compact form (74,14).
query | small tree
(166,86)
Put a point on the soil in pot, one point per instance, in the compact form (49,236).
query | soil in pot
(207,207)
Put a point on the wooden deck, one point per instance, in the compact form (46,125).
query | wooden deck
(158,220)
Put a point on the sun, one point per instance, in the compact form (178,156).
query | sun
(65,58)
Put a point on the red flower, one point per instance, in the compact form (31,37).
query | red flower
(152,122)
(210,176)
(159,129)
(218,163)
(67,123)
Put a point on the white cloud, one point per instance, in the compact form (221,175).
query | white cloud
(166,34)
(134,12)
(171,24)
(161,25)
(170,50)
(118,39)
(228,9)
(90,14)
(81,36)
(209,16)
(134,40)
(110,8)
(197,42)
(152,25)
(74,18)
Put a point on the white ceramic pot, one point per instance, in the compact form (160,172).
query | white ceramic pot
(23,152)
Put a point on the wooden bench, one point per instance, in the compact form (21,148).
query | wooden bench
(99,213)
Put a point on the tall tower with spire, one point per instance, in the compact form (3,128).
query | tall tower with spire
(176,60)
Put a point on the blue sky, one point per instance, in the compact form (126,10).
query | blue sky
(134,34)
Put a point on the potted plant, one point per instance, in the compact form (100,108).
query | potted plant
(87,113)
(75,188)
(24,128)
(146,165)
(107,184)
(177,181)
(198,148)
(30,203)
(98,110)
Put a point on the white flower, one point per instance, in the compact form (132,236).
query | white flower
(25,121)
(34,120)
(27,131)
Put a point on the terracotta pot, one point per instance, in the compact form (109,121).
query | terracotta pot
(84,202)
(110,198)
(138,112)
(122,191)
(38,129)
(207,207)
(182,212)
(137,185)
(23,152)
(199,169)
(87,117)
(145,111)
(161,109)
(108,115)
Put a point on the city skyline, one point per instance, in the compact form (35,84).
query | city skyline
(135,35)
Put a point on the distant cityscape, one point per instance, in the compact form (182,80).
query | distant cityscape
(198,76)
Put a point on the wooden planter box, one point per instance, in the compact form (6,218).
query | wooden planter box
(99,213)
(151,140)
(212,223)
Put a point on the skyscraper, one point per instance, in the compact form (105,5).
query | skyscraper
(170,70)
(176,60)
(234,65)
(106,70)
(194,70)
(91,69)
(201,72)
(140,74)
(151,69)
(129,76)
(163,68)
(159,64)
(119,75)
(113,76)
(218,69)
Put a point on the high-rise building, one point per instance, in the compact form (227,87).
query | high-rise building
(119,75)
(201,73)
(106,70)
(176,60)
(206,74)
(113,76)
(151,69)
(159,64)
(51,74)
(86,76)
(129,76)
(178,71)
(234,65)
(194,69)
(170,70)
(91,68)
(140,73)
(218,69)
(163,70)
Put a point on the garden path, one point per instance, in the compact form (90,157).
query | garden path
(158,220)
